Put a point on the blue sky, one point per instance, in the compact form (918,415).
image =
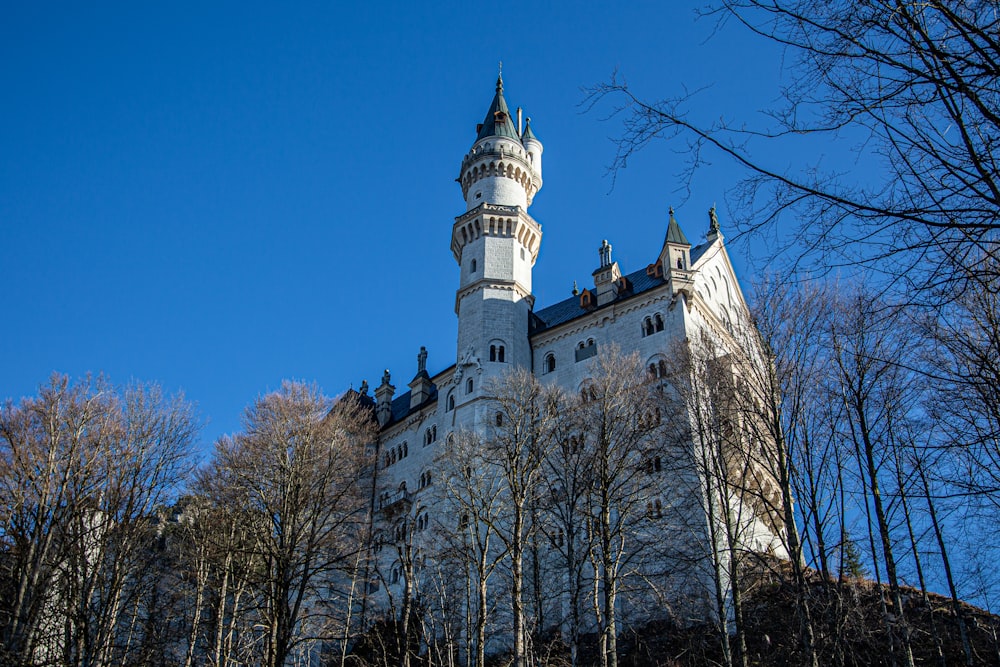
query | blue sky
(217,196)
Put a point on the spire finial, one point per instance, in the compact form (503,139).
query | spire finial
(576,290)
(671,212)
(500,77)
(605,253)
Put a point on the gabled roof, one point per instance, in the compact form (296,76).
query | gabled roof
(498,122)
(569,309)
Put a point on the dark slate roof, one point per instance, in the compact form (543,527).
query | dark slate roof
(569,309)
(401,405)
(506,127)
(698,251)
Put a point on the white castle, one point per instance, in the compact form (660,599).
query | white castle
(684,290)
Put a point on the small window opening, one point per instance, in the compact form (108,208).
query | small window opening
(550,363)
(472,266)
(468,386)
(451,403)
(499,419)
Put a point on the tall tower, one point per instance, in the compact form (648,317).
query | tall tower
(495,243)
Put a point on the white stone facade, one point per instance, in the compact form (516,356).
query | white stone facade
(495,243)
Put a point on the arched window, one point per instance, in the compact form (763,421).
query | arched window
(500,354)
(430,435)
(658,322)
(550,363)
(647,327)
(497,352)
(499,419)
(586,350)
(472,266)
(451,403)
(393,456)
(468,386)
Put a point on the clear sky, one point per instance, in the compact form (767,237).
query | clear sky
(217,196)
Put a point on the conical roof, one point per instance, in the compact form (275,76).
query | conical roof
(498,122)
(674,233)
(528,134)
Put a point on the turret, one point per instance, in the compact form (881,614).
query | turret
(501,169)
(534,148)
(496,243)
(675,257)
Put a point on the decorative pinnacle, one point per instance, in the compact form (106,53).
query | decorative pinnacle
(576,290)
(500,77)
(671,212)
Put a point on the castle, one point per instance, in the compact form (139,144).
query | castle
(684,290)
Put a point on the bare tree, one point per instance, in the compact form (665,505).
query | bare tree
(475,492)
(516,448)
(567,482)
(617,421)
(911,87)
(294,472)
(873,385)
(82,467)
